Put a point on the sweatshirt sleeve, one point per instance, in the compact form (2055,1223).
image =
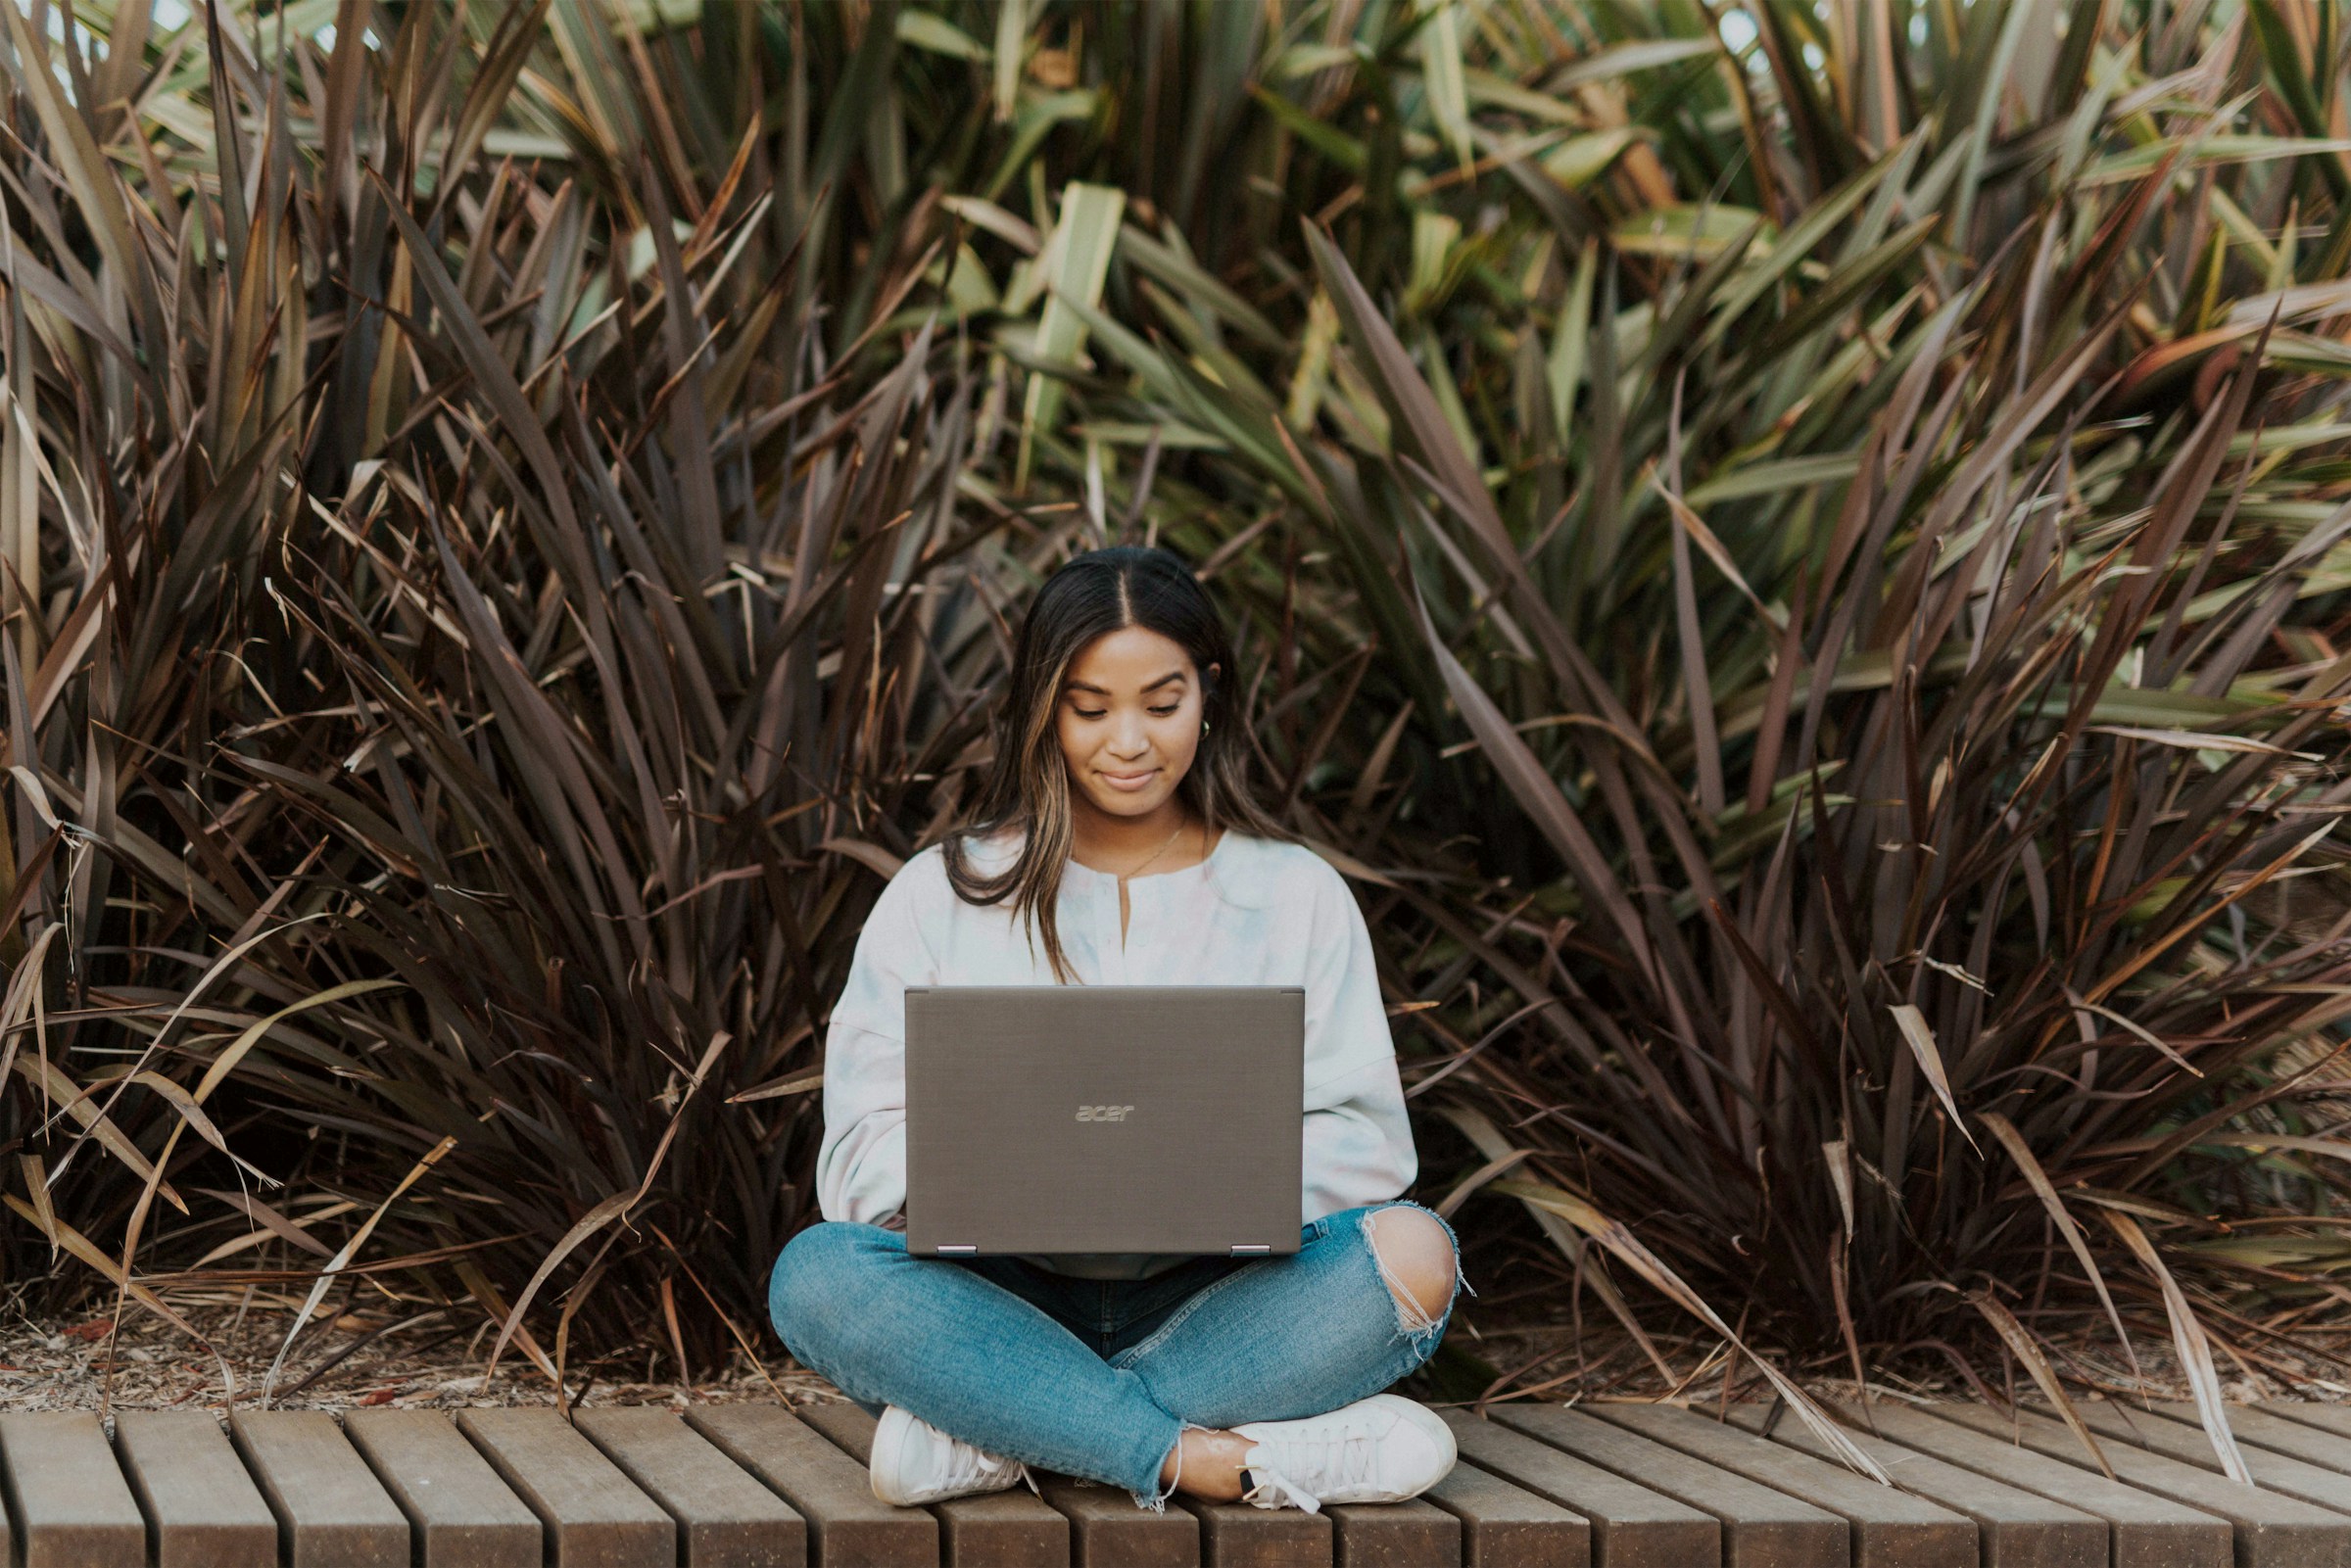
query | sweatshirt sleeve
(861,1163)
(1358,1143)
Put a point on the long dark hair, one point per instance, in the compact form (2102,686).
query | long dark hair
(1027,787)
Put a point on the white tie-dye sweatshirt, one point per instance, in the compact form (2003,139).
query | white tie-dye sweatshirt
(1253,913)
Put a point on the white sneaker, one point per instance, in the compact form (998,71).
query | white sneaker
(1382,1449)
(914,1462)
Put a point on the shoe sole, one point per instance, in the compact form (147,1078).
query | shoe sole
(889,1440)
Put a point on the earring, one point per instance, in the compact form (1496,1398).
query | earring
(1204,726)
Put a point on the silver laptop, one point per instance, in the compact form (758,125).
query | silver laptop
(1103,1118)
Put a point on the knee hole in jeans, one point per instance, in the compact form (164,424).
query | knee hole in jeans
(1417,1261)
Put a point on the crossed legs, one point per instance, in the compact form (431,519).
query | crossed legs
(1360,1305)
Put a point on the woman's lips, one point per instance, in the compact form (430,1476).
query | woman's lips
(1131,781)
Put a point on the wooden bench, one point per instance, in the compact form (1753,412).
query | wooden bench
(758,1485)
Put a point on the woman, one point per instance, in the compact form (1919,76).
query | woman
(1116,844)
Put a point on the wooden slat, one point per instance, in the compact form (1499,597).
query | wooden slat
(1393,1535)
(1111,1531)
(2266,1427)
(1241,1535)
(2270,1430)
(67,1497)
(595,1517)
(1632,1527)
(1890,1530)
(2187,1443)
(463,1515)
(1010,1528)
(2016,1529)
(725,1518)
(202,1510)
(848,1527)
(1506,1526)
(1761,1528)
(2271,1531)
(1108,1531)
(2146,1531)
(331,1511)
(2334,1418)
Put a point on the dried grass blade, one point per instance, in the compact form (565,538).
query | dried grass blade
(1921,1038)
(749,1351)
(36,1185)
(799,1084)
(873,857)
(604,1213)
(493,1306)
(226,1062)
(344,1255)
(1837,1154)
(227,961)
(2004,1133)
(1467,1186)
(193,1115)
(2134,1027)
(277,1224)
(76,1103)
(1489,1141)
(24,996)
(1623,1245)
(2012,1334)
(2193,1348)
(1715,551)
(1840,1292)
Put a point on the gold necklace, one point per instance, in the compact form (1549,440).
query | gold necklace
(1156,853)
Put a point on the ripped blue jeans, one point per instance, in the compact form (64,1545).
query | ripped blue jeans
(1097,1378)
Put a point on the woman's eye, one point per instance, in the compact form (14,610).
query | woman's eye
(1083,714)
(1163,712)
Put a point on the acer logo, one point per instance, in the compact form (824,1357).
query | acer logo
(1103,1112)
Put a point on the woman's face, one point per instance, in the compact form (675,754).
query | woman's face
(1129,720)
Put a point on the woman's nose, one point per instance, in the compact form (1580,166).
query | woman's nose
(1127,738)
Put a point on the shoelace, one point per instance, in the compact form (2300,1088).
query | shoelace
(1344,1460)
(1273,1489)
(968,1465)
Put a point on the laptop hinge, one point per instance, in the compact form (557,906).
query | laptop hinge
(1247,1248)
(946,1247)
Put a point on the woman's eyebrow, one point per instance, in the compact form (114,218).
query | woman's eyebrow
(1086,685)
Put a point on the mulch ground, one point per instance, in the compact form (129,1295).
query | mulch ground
(435,1358)
(419,1360)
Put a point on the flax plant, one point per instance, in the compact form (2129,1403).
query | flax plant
(1796,553)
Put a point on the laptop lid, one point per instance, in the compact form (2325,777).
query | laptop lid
(1103,1118)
